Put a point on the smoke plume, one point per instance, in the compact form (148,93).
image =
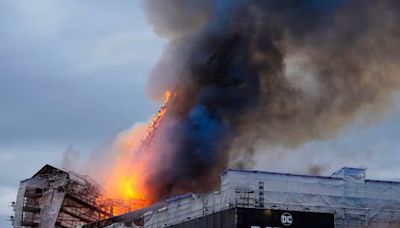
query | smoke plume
(250,72)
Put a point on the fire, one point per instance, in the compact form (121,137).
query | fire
(127,180)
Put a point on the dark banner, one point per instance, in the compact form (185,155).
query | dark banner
(260,218)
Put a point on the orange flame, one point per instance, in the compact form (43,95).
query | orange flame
(127,180)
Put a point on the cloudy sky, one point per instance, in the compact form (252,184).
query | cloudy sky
(73,73)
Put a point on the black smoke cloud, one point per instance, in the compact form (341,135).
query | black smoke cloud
(251,72)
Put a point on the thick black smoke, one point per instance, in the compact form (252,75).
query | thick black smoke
(250,72)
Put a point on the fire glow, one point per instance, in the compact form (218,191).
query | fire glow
(129,175)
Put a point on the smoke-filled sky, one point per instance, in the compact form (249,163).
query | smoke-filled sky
(74,73)
(253,77)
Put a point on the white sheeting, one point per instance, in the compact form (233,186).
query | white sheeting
(356,202)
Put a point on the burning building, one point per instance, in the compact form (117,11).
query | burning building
(58,198)
(245,199)
(254,199)
(244,74)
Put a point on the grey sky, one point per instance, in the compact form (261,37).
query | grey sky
(375,147)
(74,72)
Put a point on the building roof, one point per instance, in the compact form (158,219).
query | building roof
(48,169)
(334,176)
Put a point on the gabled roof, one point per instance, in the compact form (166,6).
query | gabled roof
(48,169)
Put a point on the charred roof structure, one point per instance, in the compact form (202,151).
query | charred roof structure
(58,198)
(254,199)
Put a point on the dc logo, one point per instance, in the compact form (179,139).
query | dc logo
(286,219)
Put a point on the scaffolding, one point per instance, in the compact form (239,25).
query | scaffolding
(57,198)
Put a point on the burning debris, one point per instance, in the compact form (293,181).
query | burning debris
(247,73)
